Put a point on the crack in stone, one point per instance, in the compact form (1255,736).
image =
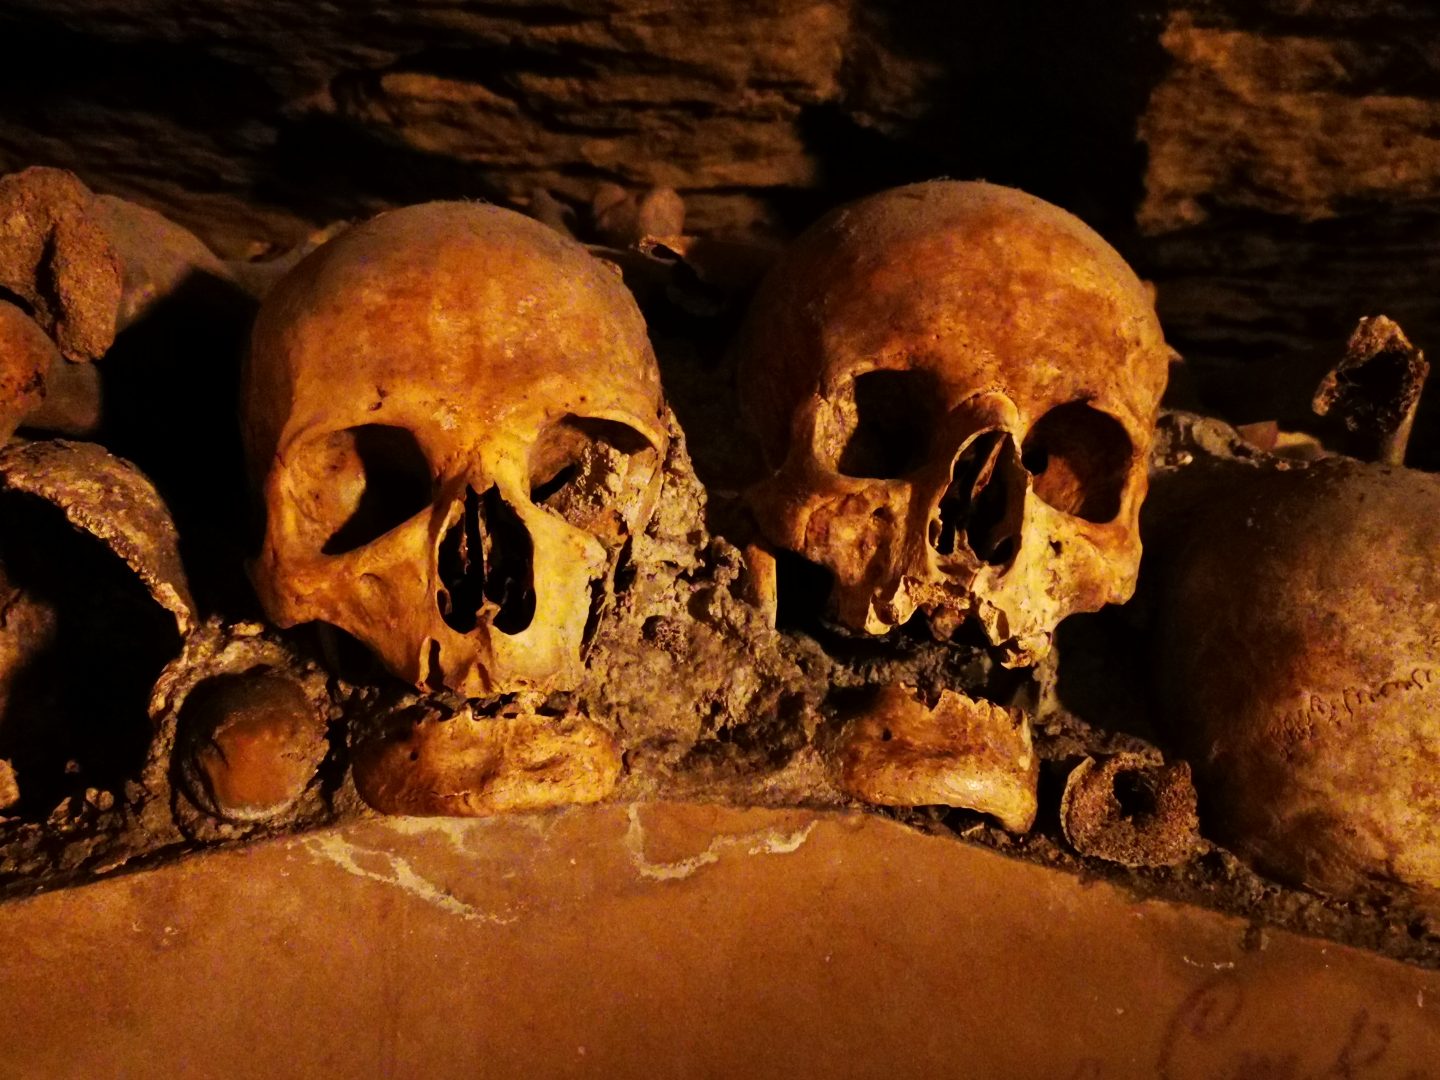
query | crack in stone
(404,877)
(762,842)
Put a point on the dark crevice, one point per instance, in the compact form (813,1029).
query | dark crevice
(486,558)
(977,502)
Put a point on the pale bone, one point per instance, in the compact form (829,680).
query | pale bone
(472,356)
(425,762)
(1008,328)
(961,752)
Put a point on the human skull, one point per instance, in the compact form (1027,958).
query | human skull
(956,386)
(454,414)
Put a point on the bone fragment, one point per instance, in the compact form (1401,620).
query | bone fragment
(56,256)
(961,752)
(250,744)
(1375,389)
(1130,811)
(424,762)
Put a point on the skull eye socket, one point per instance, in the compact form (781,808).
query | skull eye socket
(894,421)
(1080,460)
(593,473)
(358,484)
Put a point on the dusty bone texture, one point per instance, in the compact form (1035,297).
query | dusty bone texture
(1130,810)
(955,387)
(1375,389)
(112,500)
(27,356)
(454,415)
(903,751)
(239,688)
(56,257)
(431,761)
(1297,657)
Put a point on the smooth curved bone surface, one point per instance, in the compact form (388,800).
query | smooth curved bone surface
(1299,656)
(955,385)
(454,413)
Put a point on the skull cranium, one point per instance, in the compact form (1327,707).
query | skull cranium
(956,386)
(454,413)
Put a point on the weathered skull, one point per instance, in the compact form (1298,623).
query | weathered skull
(956,385)
(454,412)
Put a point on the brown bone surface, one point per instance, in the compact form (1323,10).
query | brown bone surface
(1300,660)
(454,415)
(956,385)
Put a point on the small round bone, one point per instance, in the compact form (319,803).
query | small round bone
(250,745)
(960,752)
(1129,811)
(468,766)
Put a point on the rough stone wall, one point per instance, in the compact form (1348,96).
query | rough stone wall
(1273,166)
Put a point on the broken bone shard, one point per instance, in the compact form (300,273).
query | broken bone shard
(1375,389)
(1130,811)
(899,751)
(955,387)
(462,765)
(249,744)
(455,491)
(56,257)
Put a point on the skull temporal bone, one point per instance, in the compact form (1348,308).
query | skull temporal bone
(956,386)
(454,413)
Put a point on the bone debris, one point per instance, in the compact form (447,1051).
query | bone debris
(901,751)
(1375,389)
(56,257)
(1131,811)
(431,761)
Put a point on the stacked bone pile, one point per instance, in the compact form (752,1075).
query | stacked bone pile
(476,570)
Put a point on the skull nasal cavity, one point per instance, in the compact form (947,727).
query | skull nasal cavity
(487,559)
(984,501)
(893,421)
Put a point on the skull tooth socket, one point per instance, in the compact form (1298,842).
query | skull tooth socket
(486,558)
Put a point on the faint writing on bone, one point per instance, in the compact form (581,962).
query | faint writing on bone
(1326,708)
